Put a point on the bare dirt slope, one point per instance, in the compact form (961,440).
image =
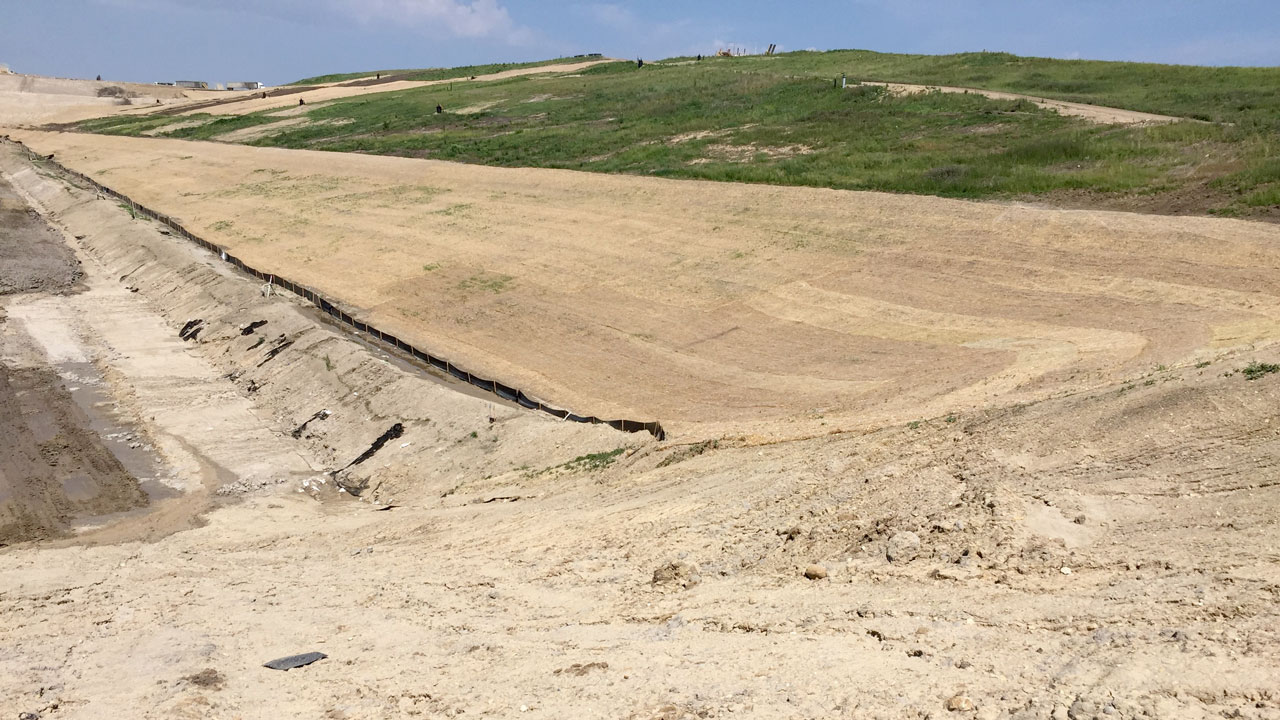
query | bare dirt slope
(721,308)
(1092,113)
(1104,554)
(35,100)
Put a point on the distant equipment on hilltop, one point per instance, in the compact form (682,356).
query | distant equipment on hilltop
(4,69)
(735,52)
(193,84)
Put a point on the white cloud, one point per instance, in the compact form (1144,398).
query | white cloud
(608,14)
(476,19)
(486,19)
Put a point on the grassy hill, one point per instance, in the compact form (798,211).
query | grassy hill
(461,71)
(781,120)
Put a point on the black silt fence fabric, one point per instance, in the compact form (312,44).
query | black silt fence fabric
(505,392)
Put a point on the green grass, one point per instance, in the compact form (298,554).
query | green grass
(780,120)
(593,461)
(1219,94)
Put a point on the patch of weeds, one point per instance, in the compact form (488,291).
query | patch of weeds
(914,425)
(950,418)
(1149,383)
(221,226)
(1255,370)
(474,435)
(1127,388)
(431,267)
(452,210)
(594,461)
(129,209)
(1202,364)
(328,364)
(492,282)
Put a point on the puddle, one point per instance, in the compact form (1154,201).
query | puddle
(133,449)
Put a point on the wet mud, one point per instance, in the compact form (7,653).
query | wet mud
(54,468)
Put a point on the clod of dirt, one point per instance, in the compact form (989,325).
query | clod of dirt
(207,678)
(903,547)
(581,669)
(815,572)
(679,574)
(960,703)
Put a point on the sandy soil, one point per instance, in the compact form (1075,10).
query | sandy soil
(1060,502)
(720,308)
(36,100)
(1092,113)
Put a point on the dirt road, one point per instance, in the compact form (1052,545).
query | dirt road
(252,102)
(719,308)
(1092,113)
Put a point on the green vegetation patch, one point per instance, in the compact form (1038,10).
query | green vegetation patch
(1255,370)
(784,120)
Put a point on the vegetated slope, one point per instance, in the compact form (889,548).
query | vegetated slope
(438,73)
(782,120)
(719,307)
(1216,94)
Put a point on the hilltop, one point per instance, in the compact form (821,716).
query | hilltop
(783,120)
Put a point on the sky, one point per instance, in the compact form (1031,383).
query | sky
(277,41)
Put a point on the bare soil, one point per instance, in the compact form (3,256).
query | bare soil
(1041,488)
(53,467)
(721,308)
(33,257)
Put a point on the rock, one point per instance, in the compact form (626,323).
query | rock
(1082,709)
(903,547)
(960,703)
(815,572)
(957,573)
(679,574)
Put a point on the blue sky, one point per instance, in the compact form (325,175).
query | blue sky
(276,41)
